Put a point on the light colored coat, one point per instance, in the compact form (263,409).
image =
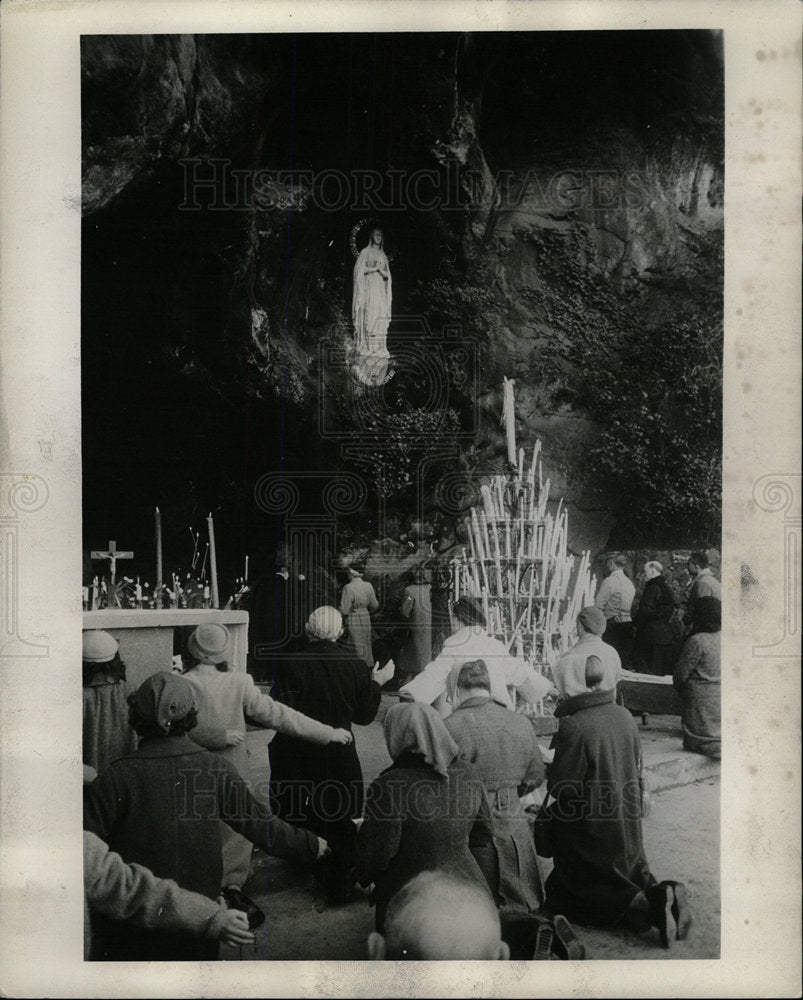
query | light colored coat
(473,643)
(133,893)
(357,600)
(224,700)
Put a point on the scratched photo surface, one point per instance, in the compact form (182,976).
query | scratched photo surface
(387,320)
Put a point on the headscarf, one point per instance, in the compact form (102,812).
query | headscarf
(417,728)
(325,623)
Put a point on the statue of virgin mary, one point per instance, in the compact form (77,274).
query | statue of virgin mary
(371,309)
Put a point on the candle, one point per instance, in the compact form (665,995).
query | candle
(213,561)
(246,570)
(203,564)
(138,591)
(509,418)
(85,597)
(158,518)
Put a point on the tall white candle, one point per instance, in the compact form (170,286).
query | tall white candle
(213,561)
(158,518)
(509,417)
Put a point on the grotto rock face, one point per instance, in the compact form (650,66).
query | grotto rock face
(151,98)
(588,195)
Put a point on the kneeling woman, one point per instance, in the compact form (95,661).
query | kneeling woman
(427,811)
(592,823)
(697,679)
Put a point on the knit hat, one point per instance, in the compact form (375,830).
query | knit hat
(209,643)
(99,647)
(163,698)
(592,620)
(469,610)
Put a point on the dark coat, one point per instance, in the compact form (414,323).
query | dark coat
(277,610)
(331,685)
(416,607)
(656,643)
(161,808)
(595,780)
(417,820)
(654,615)
(504,747)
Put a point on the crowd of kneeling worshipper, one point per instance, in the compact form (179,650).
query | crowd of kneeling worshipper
(456,823)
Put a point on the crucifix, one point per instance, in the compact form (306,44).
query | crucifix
(112,555)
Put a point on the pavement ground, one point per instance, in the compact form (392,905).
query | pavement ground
(681,837)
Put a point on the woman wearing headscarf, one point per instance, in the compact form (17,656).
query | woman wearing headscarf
(591,825)
(654,647)
(321,787)
(697,679)
(426,811)
(357,601)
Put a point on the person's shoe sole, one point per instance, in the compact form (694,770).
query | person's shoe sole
(680,909)
(567,945)
(666,927)
(544,940)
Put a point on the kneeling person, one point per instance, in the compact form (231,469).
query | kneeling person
(161,808)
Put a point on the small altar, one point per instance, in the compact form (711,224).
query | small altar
(149,639)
